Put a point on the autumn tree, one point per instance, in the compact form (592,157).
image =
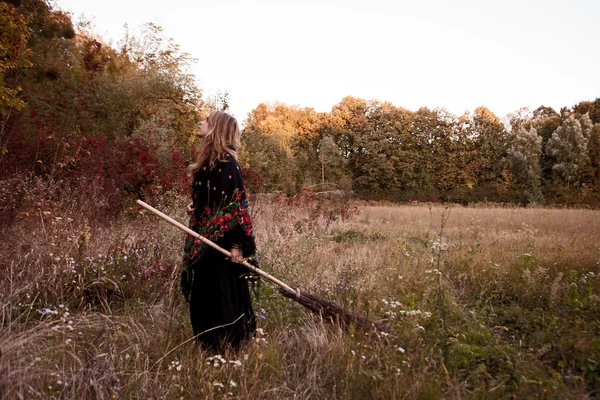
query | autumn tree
(13,56)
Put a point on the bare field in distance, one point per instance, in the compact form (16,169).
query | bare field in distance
(482,303)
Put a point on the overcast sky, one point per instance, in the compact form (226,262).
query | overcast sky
(456,54)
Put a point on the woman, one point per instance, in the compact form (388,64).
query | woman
(215,286)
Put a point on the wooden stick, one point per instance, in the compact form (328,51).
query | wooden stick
(218,248)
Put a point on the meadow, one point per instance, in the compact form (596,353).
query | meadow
(482,302)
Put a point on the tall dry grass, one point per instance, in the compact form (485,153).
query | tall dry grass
(493,303)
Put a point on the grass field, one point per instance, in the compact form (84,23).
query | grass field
(482,302)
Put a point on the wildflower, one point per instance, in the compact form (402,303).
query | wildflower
(218,384)
(237,363)
(232,383)
(216,361)
(400,349)
(439,246)
(46,311)
(175,365)
(262,314)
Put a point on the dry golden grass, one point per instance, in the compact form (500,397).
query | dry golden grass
(493,303)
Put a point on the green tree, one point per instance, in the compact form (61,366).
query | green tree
(524,155)
(491,142)
(367,133)
(262,154)
(568,145)
(331,162)
(594,155)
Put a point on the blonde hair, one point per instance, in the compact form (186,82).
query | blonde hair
(223,138)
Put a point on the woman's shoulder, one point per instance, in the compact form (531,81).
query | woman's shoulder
(228,162)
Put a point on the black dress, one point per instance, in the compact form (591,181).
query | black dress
(216,288)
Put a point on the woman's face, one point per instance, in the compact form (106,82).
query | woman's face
(203,130)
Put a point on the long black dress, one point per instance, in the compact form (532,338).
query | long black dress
(217,289)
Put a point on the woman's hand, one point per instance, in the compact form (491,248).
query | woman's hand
(190,208)
(236,255)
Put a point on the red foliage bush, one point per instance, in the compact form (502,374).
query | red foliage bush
(115,170)
(253,180)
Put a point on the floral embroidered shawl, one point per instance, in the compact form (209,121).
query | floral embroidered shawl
(220,212)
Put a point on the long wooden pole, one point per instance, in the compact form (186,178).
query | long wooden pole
(219,248)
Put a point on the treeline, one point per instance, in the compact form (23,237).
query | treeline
(80,111)
(124,117)
(384,152)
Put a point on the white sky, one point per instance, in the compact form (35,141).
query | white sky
(459,54)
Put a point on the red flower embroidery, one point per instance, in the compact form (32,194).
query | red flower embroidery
(197,242)
(227,217)
(247,219)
